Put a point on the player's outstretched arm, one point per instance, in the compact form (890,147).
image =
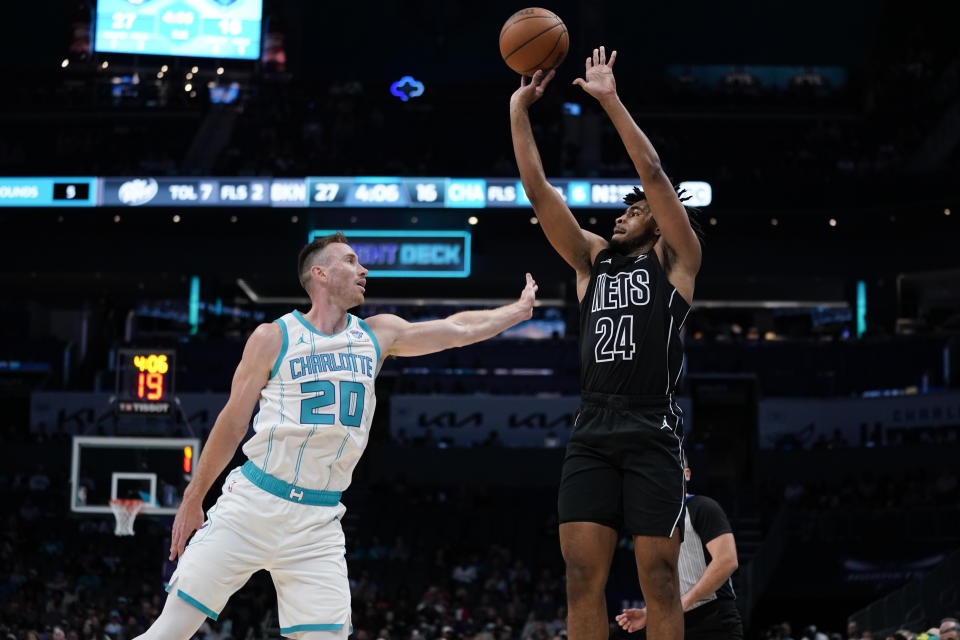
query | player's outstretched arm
(401,338)
(252,374)
(576,246)
(671,217)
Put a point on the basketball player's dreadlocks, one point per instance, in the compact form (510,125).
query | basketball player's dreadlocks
(693,213)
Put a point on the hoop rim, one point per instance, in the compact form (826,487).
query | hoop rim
(125,511)
(128,504)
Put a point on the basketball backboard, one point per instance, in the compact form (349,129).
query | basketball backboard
(155,470)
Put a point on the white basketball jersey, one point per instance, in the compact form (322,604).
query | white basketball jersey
(316,410)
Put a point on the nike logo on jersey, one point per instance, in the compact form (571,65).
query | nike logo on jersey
(643,257)
(607,261)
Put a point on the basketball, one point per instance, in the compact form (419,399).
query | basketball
(533,39)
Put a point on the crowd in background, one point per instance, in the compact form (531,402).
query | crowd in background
(947,628)
(875,126)
(437,564)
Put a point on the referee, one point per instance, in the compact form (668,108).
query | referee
(708,557)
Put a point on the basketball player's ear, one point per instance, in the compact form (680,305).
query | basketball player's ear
(319,272)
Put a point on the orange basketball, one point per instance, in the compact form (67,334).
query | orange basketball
(532,39)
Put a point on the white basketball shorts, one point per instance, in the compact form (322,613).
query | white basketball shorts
(251,528)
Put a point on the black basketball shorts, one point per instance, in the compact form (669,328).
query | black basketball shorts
(716,620)
(623,466)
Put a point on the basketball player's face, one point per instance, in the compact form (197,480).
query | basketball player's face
(346,277)
(635,228)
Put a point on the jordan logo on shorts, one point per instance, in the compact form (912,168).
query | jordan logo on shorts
(665,425)
(296,494)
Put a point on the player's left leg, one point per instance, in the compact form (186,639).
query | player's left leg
(310,575)
(654,502)
(657,569)
(178,621)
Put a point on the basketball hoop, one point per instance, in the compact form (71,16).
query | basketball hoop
(126,512)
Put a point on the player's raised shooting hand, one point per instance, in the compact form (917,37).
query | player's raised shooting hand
(188,519)
(598,78)
(531,88)
(529,296)
(632,619)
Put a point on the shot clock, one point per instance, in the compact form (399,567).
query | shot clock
(145,381)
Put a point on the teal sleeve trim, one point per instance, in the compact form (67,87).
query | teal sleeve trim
(283,348)
(311,627)
(210,613)
(376,344)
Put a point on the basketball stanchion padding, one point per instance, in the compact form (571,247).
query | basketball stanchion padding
(125,511)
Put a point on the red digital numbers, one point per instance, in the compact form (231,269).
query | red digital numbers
(150,386)
(150,381)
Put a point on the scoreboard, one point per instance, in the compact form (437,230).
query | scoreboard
(145,381)
(193,192)
(314,191)
(201,28)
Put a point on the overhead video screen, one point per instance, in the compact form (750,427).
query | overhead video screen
(201,28)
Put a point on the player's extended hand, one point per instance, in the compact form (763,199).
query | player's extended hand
(529,295)
(598,79)
(188,519)
(632,619)
(531,88)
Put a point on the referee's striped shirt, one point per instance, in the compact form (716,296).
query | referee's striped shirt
(705,520)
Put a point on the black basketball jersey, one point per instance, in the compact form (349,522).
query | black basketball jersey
(630,320)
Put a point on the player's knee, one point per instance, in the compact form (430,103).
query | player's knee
(584,580)
(661,583)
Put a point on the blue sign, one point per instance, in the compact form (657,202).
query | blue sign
(406,88)
(410,254)
(578,193)
(207,29)
(48,192)
(469,194)
(189,192)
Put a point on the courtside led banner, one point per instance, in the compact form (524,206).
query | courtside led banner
(410,254)
(337,192)
(48,192)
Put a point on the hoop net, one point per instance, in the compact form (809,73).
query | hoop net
(125,512)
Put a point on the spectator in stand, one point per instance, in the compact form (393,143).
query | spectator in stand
(853,630)
(464,572)
(949,629)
